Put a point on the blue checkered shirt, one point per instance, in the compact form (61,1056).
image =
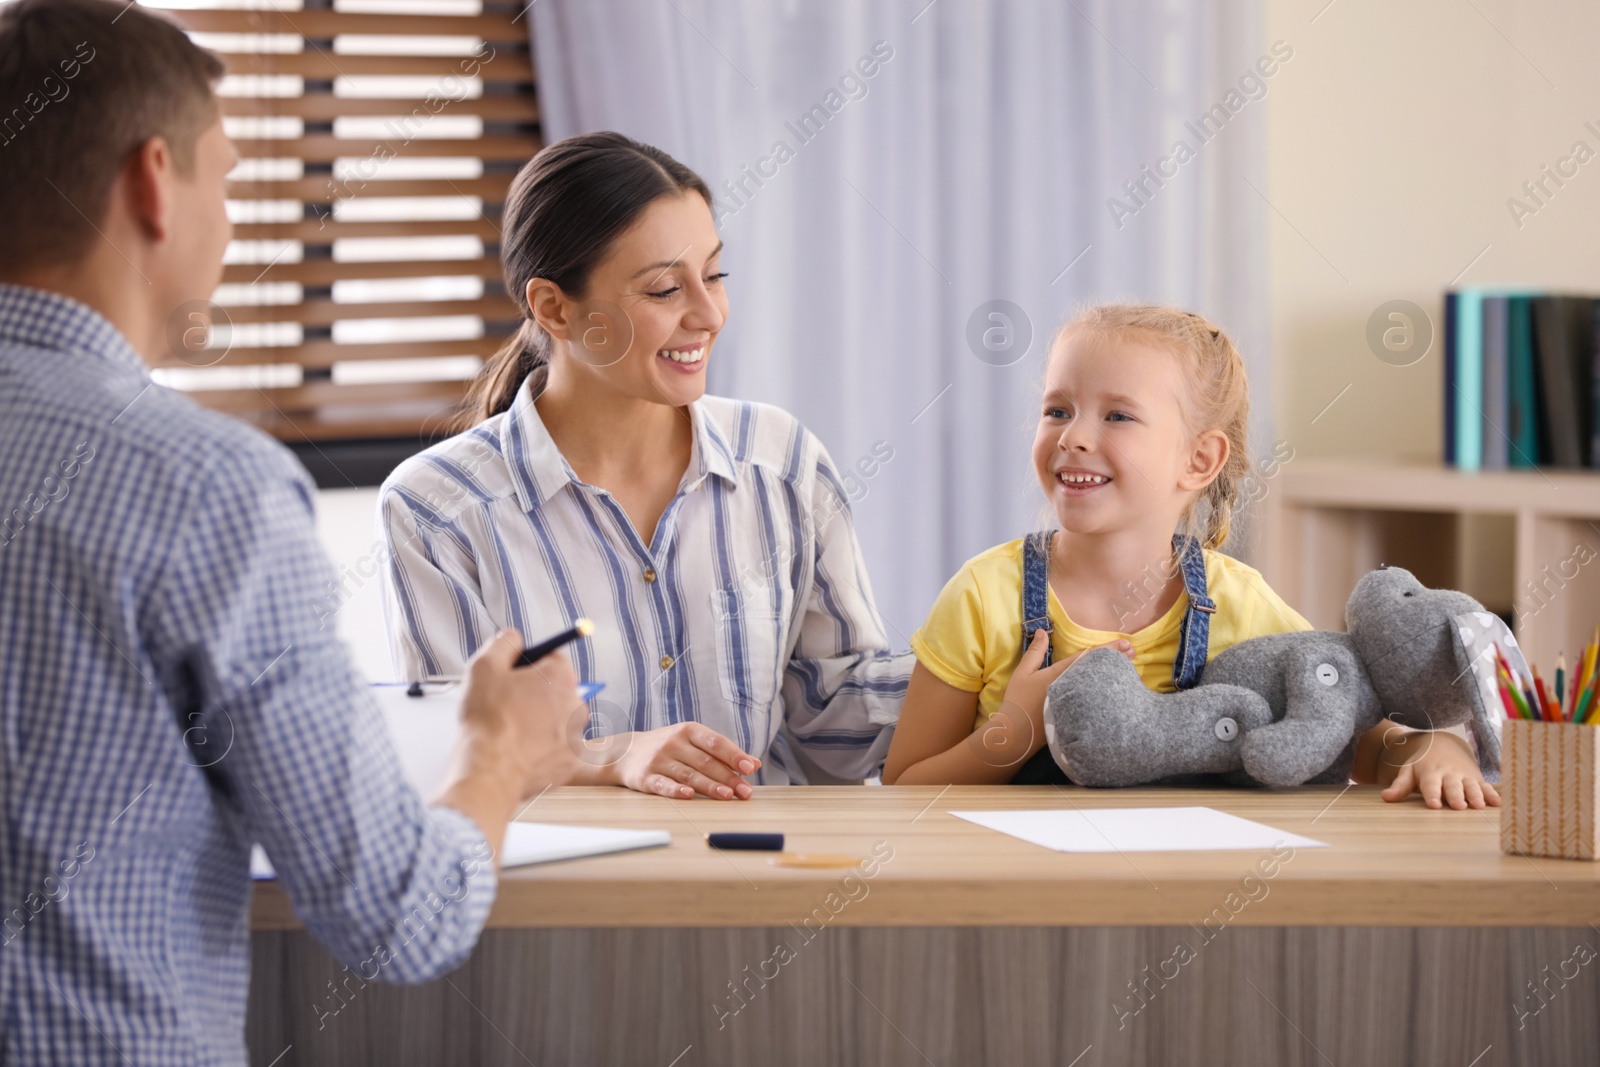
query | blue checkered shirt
(170,695)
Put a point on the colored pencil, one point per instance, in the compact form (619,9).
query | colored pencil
(1583,706)
(1519,691)
(1546,712)
(1517,698)
(1505,695)
(1572,696)
(1583,684)
(1503,675)
(1561,678)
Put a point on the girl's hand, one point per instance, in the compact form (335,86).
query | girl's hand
(681,760)
(1031,682)
(1440,766)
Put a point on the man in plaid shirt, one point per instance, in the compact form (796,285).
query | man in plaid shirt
(169,695)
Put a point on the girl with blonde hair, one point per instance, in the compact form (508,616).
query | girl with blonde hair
(1141,452)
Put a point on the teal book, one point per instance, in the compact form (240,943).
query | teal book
(1496,403)
(1469,380)
(1522,392)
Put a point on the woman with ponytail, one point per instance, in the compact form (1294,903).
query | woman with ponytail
(707,539)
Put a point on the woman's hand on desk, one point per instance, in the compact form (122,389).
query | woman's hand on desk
(677,761)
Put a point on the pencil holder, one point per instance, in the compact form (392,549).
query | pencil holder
(1549,789)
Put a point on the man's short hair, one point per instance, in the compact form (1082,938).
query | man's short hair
(83,83)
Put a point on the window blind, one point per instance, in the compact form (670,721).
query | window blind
(377,141)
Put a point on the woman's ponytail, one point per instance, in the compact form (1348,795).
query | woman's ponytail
(524,357)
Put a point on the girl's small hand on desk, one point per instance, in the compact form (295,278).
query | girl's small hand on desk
(1438,765)
(681,760)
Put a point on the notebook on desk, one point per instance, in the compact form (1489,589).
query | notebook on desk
(536,842)
(423,730)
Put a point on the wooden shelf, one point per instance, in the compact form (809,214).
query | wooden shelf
(1329,522)
(1403,487)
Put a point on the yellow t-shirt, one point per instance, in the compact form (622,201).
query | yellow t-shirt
(973,637)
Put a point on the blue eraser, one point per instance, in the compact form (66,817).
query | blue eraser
(752,842)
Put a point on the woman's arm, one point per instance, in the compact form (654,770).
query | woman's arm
(432,605)
(843,685)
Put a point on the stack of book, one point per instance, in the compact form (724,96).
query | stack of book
(1522,379)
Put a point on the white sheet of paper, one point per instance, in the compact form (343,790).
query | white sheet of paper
(1136,829)
(537,842)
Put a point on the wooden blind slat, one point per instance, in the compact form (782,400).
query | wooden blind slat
(327,271)
(496,26)
(325,190)
(321,148)
(326,312)
(323,107)
(303,398)
(317,231)
(340,422)
(323,354)
(504,65)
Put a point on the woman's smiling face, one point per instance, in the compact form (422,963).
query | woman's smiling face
(1112,450)
(653,310)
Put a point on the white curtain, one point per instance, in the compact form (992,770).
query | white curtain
(974,165)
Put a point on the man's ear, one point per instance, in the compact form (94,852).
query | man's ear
(551,309)
(1207,456)
(148,188)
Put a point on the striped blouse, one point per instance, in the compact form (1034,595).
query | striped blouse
(750,612)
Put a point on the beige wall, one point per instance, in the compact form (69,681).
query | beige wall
(1395,138)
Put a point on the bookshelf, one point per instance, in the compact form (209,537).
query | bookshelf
(1327,522)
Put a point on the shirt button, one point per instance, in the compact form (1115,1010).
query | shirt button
(649,575)
(1226,729)
(1327,674)
(666,662)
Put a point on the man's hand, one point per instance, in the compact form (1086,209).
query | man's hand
(523,718)
(520,733)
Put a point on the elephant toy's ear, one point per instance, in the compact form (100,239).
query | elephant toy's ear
(1477,635)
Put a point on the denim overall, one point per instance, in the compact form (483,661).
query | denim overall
(1194,638)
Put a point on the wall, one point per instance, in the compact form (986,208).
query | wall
(1395,139)
(347,524)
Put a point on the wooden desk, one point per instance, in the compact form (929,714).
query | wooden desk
(1411,940)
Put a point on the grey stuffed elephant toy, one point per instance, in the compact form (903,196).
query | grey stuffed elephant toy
(1287,709)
